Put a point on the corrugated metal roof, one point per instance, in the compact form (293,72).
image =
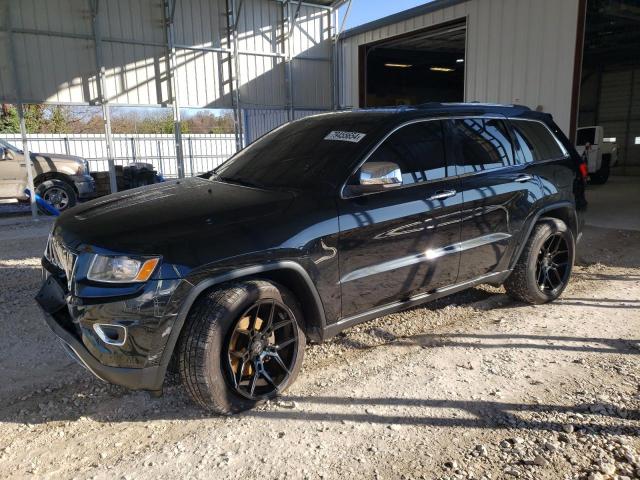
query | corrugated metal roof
(401,16)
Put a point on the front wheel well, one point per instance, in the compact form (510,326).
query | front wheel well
(312,321)
(311,306)
(43,177)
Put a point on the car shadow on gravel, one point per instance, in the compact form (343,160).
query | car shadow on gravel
(584,417)
(89,398)
(536,342)
(108,404)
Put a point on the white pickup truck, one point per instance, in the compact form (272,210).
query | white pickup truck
(601,155)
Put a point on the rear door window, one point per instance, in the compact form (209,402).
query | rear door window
(481,144)
(534,142)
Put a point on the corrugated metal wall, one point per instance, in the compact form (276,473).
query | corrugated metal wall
(618,111)
(55,53)
(518,51)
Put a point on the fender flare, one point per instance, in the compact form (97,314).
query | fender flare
(534,221)
(244,272)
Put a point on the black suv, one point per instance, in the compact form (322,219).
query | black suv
(321,224)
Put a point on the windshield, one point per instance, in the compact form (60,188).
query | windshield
(300,154)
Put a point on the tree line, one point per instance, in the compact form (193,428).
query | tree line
(65,119)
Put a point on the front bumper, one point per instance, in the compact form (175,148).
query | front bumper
(53,302)
(85,185)
(149,378)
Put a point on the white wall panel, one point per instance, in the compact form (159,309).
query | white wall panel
(518,51)
(262,81)
(7,81)
(260,26)
(311,33)
(139,20)
(312,83)
(47,15)
(56,37)
(55,69)
(201,23)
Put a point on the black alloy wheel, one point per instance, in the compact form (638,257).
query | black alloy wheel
(262,350)
(552,267)
(242,344)
(544,267)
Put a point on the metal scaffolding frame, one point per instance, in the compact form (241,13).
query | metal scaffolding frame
(290,12)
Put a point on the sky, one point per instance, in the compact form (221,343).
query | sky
(363,11)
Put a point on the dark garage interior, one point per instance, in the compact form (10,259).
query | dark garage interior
(427,66)
(610,83)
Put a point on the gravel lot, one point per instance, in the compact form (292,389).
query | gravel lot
(472,386)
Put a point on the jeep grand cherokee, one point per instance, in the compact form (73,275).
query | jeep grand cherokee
(319,225)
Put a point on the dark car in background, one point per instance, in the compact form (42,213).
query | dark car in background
(319,225)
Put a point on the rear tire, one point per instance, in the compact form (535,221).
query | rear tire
(57,193)
(227,355)
(602,175)
(544,267)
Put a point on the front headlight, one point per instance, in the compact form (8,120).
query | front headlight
(121,269)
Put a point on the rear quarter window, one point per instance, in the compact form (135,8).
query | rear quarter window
(535,142)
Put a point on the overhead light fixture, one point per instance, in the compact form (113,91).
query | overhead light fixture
(398,65)
(460,60)
(441,69)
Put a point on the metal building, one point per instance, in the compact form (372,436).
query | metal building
(576,59)
(252,56)
(504,51)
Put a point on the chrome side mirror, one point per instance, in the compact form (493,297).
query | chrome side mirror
(378,176)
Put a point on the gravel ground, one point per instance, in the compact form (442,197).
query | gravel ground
(471,386)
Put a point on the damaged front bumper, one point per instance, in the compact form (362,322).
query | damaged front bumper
(138,363)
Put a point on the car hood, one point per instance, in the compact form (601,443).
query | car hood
(58,157)
(168,217)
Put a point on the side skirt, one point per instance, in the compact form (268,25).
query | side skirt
(333,329)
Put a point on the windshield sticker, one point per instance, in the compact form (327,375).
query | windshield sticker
(354,137)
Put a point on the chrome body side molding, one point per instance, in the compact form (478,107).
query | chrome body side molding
(424,256)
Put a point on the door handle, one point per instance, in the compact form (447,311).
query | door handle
(442,194)
(525,177)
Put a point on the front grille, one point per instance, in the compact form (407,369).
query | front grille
(60,256)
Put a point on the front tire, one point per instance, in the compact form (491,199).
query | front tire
(57,193)
(241,346)
(544,267)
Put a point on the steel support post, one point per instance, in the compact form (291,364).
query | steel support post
(169,13)
(288,60)
(106,118)
(336,53)
(627,134)
(23,125)
(102,97)
(27,161)
(234,19)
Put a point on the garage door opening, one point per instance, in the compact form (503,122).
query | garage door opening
(610,80)
(427,66)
